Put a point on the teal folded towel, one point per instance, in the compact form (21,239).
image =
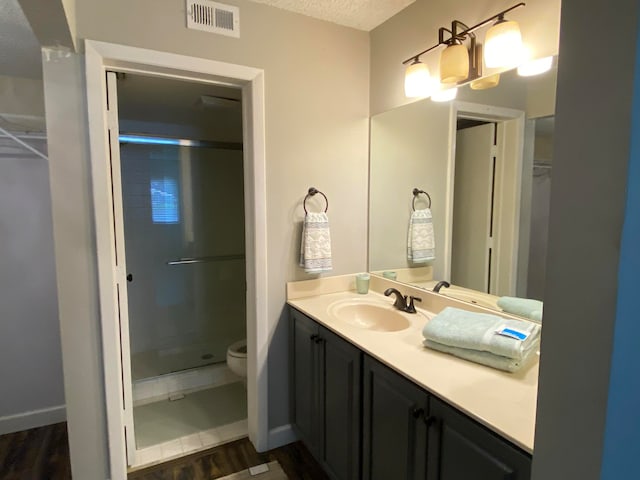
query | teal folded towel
(485,358)
(525,307)
(458,328)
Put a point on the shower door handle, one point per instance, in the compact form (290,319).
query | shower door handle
(129,278)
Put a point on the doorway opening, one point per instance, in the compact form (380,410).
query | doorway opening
(183,234)
(485,190)
(164,196)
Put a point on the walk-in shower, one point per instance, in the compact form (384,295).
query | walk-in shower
(184,235)
(184,232)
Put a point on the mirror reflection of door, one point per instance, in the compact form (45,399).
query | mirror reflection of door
(473,204)
(540,197)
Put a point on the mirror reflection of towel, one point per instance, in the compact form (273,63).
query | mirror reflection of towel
(315,248)
(421,245)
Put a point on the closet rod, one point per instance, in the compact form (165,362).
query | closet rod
(27,136)
(25,145)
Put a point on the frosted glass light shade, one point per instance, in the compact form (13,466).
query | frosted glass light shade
(485,82)
(445,95)
(417,80)
(503,45)
(454,64)
(535,67)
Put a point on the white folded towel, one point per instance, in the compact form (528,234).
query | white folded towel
(315,248)
(421,245)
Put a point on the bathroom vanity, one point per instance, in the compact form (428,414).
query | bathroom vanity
(375,404)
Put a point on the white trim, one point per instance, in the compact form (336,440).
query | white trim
(492,114)
(282,435)
(101,56)
(119,271)
(32,419)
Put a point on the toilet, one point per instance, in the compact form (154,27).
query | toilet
(237,358)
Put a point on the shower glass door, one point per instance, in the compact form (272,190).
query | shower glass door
(183,209)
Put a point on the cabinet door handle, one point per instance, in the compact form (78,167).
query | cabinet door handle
(429,420)
(417,412)
(319,339)
(314,337)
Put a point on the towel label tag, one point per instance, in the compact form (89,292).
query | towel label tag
(512,333)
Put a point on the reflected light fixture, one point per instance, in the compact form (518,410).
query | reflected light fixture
(535,67)
(445,95)
(485,82)
(417,80)
(460,63)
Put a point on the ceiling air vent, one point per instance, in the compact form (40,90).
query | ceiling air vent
(213,17)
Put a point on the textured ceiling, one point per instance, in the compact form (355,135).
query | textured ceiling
(19,48)
(360,14)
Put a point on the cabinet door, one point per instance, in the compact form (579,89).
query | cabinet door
(394,429)
(305,380)
(462,449)
(341,394)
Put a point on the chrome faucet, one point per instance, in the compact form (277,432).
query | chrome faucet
(401,300)
(441,284)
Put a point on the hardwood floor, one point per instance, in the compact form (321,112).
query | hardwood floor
(43,454)
(39,453)
(233,457)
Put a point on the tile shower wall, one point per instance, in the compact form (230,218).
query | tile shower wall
(183,202)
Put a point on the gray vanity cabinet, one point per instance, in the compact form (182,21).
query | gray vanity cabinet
(409,434)
(394,427)
(461,449)
(343,399)
(326,396)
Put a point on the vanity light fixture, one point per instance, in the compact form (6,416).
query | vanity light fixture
(503,44)
(461,63)
(485,82)
(535,67)
(454,62)
(417,80)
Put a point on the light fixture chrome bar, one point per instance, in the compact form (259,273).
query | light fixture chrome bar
(215,258)
(463,33)
(25,145)
(180,142)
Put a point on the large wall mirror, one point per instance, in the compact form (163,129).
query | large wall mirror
(485,162)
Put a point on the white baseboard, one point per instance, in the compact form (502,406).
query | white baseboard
(280,436)
(32,419)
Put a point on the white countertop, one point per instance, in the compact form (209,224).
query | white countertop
(504,402)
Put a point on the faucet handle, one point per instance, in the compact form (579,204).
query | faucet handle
(411,308)
(401,300)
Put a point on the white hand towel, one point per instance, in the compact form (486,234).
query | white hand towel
(421,246)
(315,248)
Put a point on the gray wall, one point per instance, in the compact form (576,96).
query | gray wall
(30,355)
(317,109)
(75,253)
(590,157)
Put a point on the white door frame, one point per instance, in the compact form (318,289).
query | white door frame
(101,57)
(487,113)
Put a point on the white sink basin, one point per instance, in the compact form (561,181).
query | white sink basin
(369,315)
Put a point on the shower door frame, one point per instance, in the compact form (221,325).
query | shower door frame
(100,58)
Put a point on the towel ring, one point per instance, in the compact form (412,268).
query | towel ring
(417,192)
(311,193)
